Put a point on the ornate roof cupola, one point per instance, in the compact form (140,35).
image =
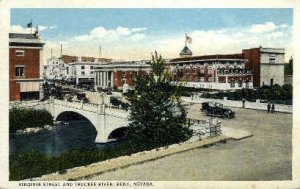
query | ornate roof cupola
(186,52)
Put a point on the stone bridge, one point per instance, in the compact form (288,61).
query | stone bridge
(105,120)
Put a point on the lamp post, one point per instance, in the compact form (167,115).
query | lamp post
(102,97)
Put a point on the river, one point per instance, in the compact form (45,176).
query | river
(75,135)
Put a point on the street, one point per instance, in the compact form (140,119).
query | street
(265,156)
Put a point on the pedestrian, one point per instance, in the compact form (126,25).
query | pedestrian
(269,107)
(273,108)
(243,102)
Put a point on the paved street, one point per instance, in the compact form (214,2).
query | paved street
(265,156)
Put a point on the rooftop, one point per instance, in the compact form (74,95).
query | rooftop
(25,39)
(207,57)
(185,51)
(22,36)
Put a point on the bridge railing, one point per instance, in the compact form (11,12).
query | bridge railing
(93,108)
(27,104)
(117,112)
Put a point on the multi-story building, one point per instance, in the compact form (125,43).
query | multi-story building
(56,69)
(25,66)
(69,59)
(267,65)
(73,69)
(81,72)
(119,74)
(223,72)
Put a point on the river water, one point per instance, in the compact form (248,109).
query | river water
(75,135)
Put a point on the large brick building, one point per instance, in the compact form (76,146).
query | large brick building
(25,66)
(267,65)
(223,72)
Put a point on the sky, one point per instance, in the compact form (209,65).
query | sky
(133,34)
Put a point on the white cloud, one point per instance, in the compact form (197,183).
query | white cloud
(106,35)
(42,27)
(21,29)
(259,28)
(136,44)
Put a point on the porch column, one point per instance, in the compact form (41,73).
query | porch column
(101,79)
(112,79)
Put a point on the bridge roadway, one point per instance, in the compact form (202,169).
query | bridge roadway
(105,119)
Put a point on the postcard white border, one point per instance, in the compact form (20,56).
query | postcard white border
(5,6)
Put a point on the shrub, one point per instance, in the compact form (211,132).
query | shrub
(21,118)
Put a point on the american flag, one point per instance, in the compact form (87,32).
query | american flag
(188,39)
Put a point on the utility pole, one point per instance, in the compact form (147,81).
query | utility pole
(60,50)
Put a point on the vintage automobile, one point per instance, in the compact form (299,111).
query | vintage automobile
(216,109)
(119,102)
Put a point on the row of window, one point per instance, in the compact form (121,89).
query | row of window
(83,67)
(83,73)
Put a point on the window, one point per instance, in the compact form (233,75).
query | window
(82,67)
(232,83)
(67,70)
(195,70)
(92,72)
(92,67)
(240,83)
(83,73)
(20,71)
(272,60)
(188,71)
(20,52)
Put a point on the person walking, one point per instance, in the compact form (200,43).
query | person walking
(273,108)
(244,101)
(269,107)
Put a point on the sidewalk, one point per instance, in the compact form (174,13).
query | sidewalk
(238,104)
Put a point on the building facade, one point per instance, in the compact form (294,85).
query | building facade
(81,72)
(222,72)
(25,66)
(267,65)
(119,74)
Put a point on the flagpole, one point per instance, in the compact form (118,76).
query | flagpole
(31,27)
(100,51)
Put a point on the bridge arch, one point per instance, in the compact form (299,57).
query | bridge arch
(70,116)
(105,120)
(118,133)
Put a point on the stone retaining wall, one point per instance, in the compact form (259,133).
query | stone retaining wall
(124,161)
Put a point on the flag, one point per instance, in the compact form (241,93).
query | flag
(29,25)
(188,39)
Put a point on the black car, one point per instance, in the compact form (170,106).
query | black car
(216,109)
(117,101)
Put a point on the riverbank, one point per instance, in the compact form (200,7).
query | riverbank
(37,130)
(140,157)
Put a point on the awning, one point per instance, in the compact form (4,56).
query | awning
(29,86)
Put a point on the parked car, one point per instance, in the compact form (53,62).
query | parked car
(118,101)
(216,109)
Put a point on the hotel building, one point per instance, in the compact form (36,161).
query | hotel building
(220,71)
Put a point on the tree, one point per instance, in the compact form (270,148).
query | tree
(157,115)
(46,90)
(288,68)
